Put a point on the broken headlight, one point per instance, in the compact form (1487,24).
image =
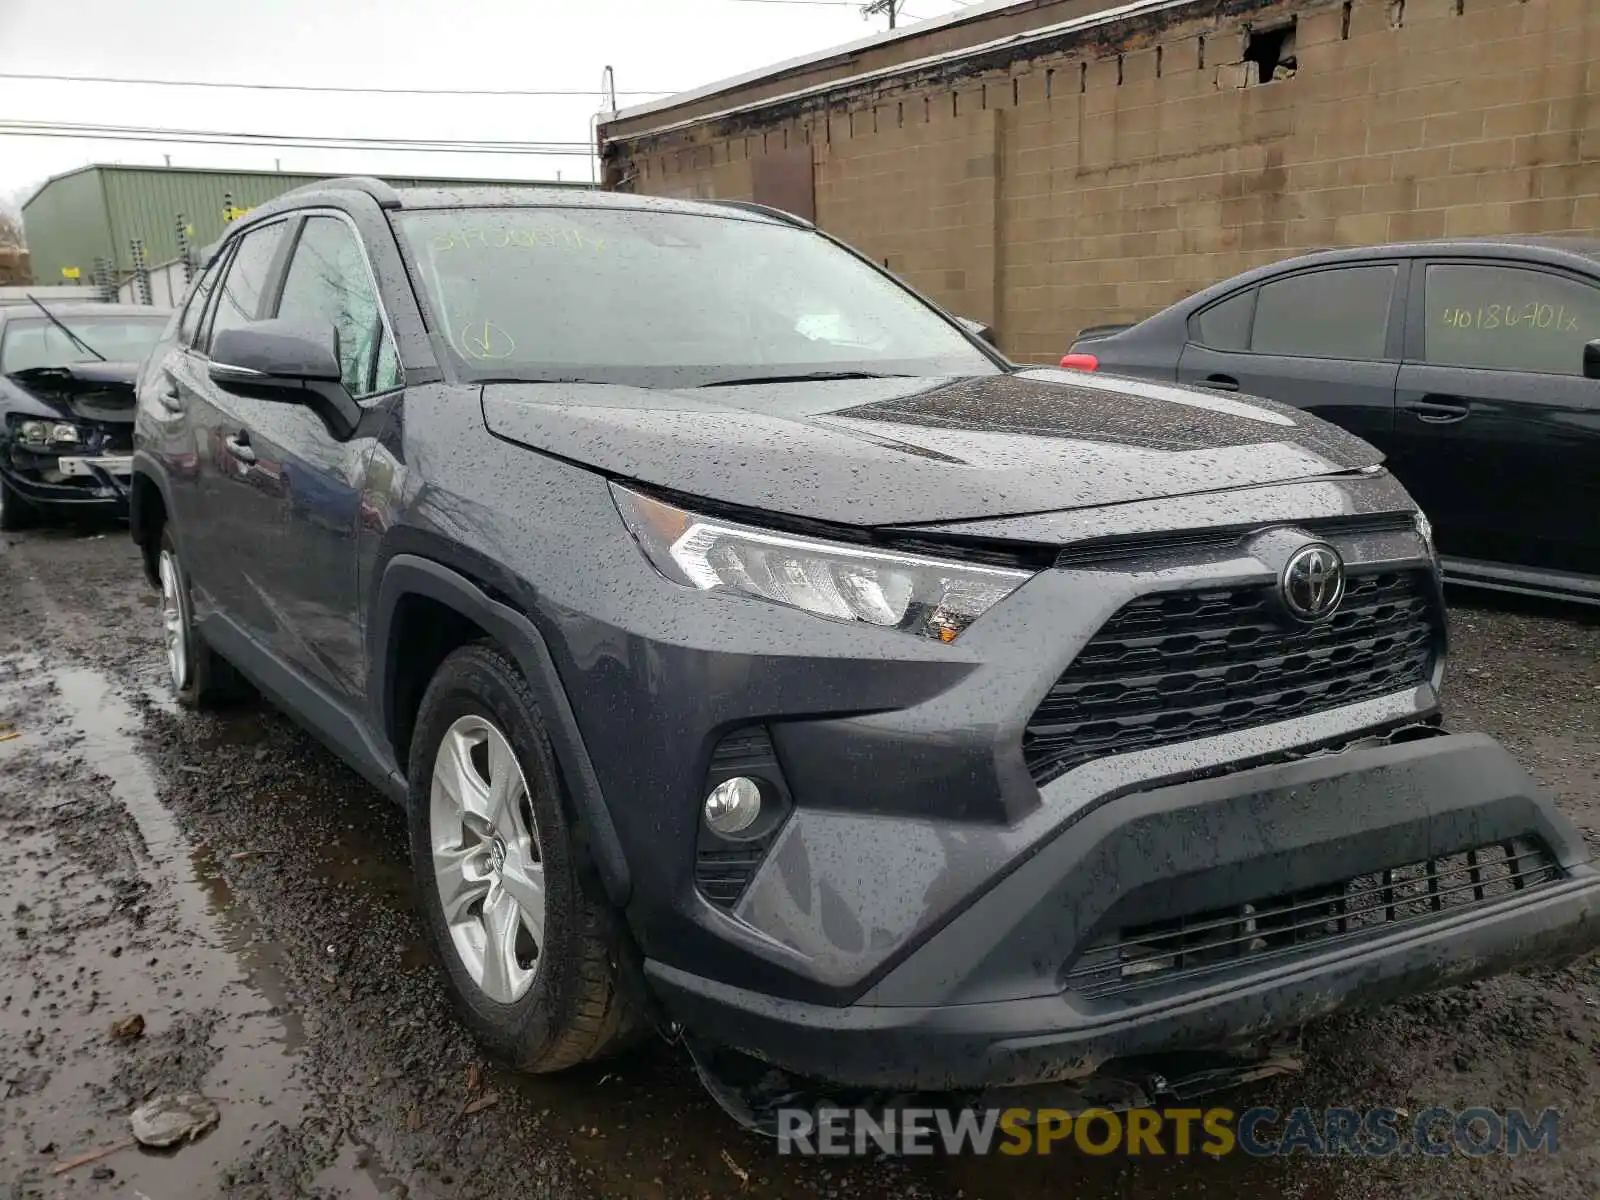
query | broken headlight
(930,597)
(42,434)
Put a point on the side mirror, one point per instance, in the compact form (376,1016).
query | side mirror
(1591,360)
(273,356)
(280,360)
(979,329)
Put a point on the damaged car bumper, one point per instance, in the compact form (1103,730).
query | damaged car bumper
(1202,914)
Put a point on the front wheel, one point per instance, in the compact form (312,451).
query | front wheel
(533,964)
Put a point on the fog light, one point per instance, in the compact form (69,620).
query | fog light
(733,805)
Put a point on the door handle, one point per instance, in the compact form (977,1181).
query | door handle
(1436,412)
(1220,383)
(239,447)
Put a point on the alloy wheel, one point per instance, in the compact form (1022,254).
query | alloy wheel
(174,632)
(487,863)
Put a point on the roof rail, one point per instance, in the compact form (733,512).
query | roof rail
(766,210)
(380,191)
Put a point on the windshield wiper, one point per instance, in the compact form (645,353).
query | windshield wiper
(807,377)
(56,321)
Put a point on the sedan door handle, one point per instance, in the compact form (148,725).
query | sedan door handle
(168,396)
(1220,383)
(239,447)
(1437,413)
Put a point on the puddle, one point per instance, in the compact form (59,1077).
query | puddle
(111,912)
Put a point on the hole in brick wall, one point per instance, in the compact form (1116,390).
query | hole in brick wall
(1272,52)
(1119,70)
(1158,62)
(900,114)
(1083,78)
(1461,7)
(1200,60)
(983,98)
(1344,24)
(1397,14)
(927,108)
(955,104)
(1049,82)
(1016,92)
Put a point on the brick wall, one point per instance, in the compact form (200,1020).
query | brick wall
(1106,179)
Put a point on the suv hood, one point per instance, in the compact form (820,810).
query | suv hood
(917,451)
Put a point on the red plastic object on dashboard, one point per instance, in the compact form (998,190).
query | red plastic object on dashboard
(1080,362)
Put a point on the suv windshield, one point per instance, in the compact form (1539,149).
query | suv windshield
(665,299)
(34,342)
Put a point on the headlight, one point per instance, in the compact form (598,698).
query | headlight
(48,433)
(926,596)
(1425,532)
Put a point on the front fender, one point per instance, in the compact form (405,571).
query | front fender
(411,575)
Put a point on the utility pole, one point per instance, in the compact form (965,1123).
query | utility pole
(890,7)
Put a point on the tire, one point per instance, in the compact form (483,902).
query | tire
(200,678)
(555,1000)
(15,512)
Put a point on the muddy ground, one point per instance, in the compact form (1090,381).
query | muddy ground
(227,880)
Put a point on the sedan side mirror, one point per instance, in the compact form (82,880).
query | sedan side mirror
(1591,360)
(979,329)
(283,361)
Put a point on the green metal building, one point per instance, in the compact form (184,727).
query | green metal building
(96,212)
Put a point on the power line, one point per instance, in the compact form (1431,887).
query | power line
(192,137)
(99,127)
(374,91)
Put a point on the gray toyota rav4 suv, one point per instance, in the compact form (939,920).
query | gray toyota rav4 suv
(758,654)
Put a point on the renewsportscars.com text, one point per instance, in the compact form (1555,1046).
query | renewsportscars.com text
(1151,1132)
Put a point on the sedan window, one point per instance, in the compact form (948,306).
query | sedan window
(1226,326)
(1341,313)
(1508,319)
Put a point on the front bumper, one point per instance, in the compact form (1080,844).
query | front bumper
(987,1000)
(89,482)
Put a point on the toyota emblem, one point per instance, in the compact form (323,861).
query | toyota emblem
(1313,582)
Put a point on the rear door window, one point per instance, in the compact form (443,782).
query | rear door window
(1337,313)
(239,299)
(1504,318)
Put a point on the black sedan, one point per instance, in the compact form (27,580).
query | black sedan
(66,406)
(1474,365)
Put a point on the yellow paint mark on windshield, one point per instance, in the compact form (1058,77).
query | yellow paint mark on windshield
(487,342)
(517,239)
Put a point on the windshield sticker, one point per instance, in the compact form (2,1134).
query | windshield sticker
(487,342)
(516,239)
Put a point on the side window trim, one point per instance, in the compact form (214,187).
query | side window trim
(1416,334)
(282,275)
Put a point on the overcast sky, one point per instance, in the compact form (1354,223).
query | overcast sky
(667,45)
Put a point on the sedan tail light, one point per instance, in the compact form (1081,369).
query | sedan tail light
(1080,362)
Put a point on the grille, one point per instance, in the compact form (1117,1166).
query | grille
(1190,949)
(1176,666)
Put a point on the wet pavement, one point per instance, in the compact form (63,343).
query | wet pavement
(227,880)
